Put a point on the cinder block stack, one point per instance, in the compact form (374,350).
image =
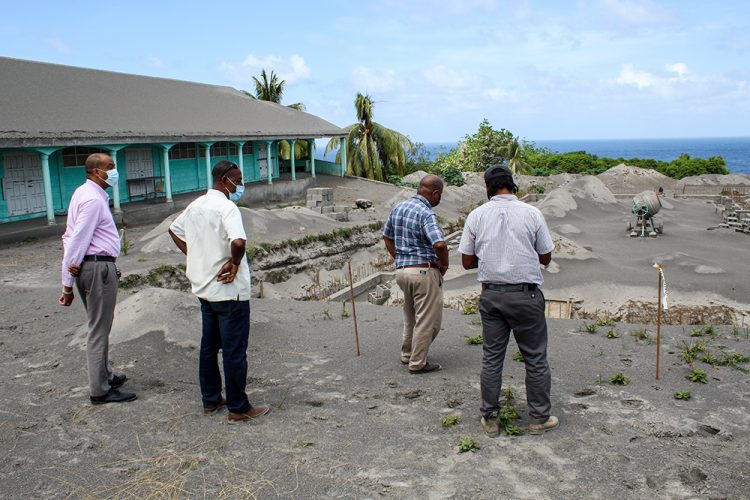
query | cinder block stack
(320,200)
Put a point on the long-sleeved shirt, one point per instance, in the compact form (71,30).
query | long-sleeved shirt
(90,230)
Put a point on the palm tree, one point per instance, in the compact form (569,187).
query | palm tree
(516,162)
(269,88)
(372,150)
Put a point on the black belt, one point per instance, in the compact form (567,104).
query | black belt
(502,287)
(98,258)
(426,264)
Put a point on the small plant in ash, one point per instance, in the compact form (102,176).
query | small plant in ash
(613,335)
(605,322)
(327,312)
(450,420)
(710,359)
(467,444)
(619,379)
(344,310)
(642,335)
(706,331)
(507,417)
(125,243)
(683,395)
(738,331)
(475,340)
(475,322)
(307,444)
(509,395)
(698,376)
(691,351)
(591,328)
(470,309)
(518,356)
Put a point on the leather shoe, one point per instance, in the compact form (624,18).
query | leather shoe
(251,414)
(117,381)
(210,410)
(427,368)
(113,396)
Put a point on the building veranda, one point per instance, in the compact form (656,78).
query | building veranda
(164,135)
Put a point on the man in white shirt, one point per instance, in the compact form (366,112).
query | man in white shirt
(210,233)
(508,240)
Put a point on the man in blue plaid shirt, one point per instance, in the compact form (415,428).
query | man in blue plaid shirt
(413,237)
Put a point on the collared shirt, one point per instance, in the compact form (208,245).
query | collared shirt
(90,228)
(414,228)
(208,226)
(507,236)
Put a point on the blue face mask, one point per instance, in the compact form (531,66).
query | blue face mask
(112,177)
(238,191)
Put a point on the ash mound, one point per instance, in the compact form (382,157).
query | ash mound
(626,179)
(588,189)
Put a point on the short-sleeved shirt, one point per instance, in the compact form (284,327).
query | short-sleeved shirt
(507,236)
(208,226)
(413,227)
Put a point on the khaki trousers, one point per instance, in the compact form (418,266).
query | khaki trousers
(97,287)
(423,312)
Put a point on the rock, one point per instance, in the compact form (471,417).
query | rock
(363,203)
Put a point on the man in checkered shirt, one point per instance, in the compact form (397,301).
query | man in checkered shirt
(413,237)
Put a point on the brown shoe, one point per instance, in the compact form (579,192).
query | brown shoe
(211,410)
(251,414)
(427,368)
(551,423)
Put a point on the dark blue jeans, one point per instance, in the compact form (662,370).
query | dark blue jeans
(226,326)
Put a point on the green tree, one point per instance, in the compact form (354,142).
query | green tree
(269,88)
(372,150)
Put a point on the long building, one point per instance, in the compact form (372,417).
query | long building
(163,134)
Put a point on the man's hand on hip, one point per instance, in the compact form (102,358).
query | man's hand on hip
(227,272)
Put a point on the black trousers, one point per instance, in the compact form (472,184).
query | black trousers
(521,312)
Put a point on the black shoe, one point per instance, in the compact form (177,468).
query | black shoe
(427,368)
(117,381)
(113,396)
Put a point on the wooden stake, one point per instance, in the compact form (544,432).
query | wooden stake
(658,327)
(260,294)
(354,308)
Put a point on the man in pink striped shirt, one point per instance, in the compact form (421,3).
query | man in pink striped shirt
(92,244)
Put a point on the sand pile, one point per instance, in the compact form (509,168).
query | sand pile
(713,180)
(551,182)
(562,200)
(626,179)
(414,177)
(568,249)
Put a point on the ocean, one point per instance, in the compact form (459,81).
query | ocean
(734,150)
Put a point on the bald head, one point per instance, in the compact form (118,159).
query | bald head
(431,187)
(97,160)
(430,183)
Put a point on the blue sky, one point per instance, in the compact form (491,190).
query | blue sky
(584,69)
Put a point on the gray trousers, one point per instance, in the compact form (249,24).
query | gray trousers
(97,287)
(523,313)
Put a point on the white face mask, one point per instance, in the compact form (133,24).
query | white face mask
(112,177)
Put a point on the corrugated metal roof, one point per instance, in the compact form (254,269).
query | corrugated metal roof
(45,104)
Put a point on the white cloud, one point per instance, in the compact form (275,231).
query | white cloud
(447,78)
(291,70)
(679,68)
(371,80)
(635,78)
(635,12)
(498,94)
(58,45)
